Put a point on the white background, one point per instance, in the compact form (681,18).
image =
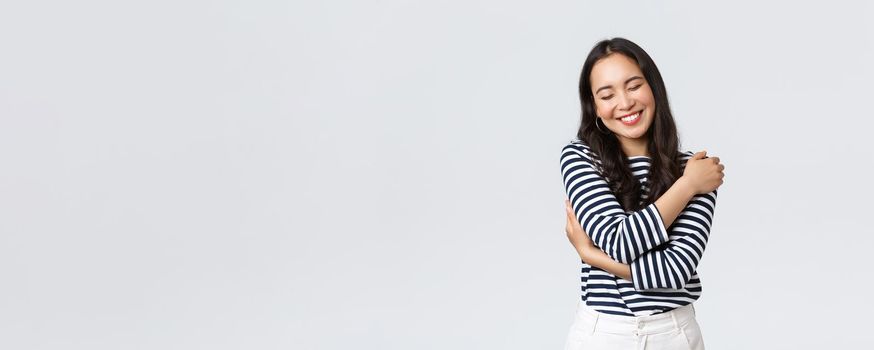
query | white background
(385,174)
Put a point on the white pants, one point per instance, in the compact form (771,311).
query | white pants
(675,329)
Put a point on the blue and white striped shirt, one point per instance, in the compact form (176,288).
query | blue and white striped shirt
(663,260)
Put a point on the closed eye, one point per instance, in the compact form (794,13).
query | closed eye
(635,87)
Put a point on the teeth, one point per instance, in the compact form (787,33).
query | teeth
(631,117)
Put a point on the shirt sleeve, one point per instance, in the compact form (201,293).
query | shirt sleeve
(624,237)
(673,265)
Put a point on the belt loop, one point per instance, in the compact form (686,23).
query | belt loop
(693,309)
(674,318)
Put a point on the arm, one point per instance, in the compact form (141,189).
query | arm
(593,256)
(589,253)
(673,266)
(624,237)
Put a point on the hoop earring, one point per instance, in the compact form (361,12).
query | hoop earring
(598,126)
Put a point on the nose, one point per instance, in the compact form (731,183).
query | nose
(625,102)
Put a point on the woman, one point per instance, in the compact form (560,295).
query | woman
(639,211)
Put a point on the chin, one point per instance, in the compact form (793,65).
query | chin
(636,133)
(633,136)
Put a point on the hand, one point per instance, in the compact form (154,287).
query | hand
(703,174)
(575,234)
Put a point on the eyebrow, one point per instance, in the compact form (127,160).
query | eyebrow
(626,82)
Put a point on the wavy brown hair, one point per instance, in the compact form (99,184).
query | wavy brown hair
(663,144)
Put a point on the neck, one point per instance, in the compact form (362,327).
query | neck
(634,147)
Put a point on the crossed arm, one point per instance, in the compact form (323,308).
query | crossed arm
(637,247)
(624,237)
(669,266)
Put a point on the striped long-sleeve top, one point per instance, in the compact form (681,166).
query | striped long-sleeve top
(663,259)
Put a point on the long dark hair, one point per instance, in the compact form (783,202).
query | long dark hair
(664,142)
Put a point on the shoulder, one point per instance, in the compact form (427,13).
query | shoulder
(685,155)
(579,149)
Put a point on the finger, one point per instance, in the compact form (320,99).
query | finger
(575,224)
(721,167)
(699,155)
(715,160)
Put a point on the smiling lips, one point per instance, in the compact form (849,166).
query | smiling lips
(631,119)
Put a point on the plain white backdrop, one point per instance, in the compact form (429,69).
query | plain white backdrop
(385,174)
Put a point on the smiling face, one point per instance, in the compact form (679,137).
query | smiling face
(623,98)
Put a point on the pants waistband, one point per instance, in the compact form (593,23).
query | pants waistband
(637,325)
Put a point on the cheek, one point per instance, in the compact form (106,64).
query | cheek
(601,108)
(646,97)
